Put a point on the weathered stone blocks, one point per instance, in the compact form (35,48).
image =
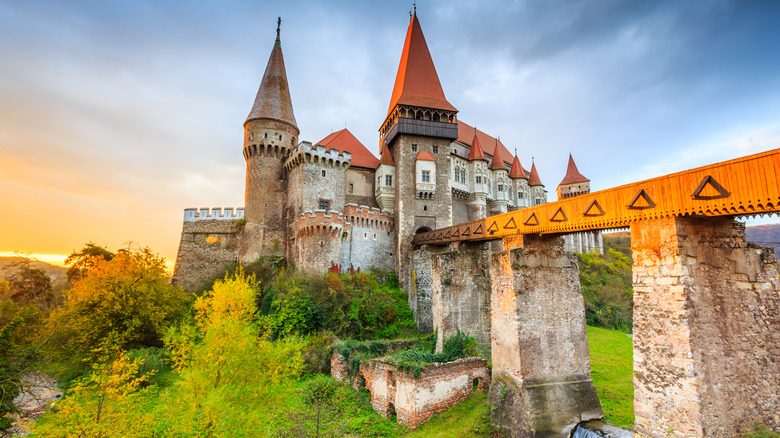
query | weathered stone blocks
(706,329)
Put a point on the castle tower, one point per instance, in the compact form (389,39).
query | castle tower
(574,183)
(479,180)
(520,182)
(501,185)
(419,119)
(538,193)
(270,131)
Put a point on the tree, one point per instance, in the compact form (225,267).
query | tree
(10,374)
(119,304)
(83,260)
(29,285)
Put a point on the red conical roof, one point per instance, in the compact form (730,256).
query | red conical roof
(273,98)
(416,82)
(573,175)
(476,152)
(497,163)
(344,141)
(534,179)
(386,158)
(490,143)
(517,170)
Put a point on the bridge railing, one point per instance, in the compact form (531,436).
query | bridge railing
(746,185)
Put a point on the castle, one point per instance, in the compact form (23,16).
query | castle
(334,203)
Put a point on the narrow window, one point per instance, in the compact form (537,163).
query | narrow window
(280,137)
(479,180)
(323,172)
(500,187)
(251,136)
(435,149)
(265,135)
(426,176)
(414,148)
(388,180)
(351,188)
(324,204)
(519,195)
(425,208)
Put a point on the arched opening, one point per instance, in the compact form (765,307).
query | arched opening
(423,230)
(391,415)
(475,384)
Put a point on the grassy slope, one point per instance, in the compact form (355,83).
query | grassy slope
(611,363)
(468,418)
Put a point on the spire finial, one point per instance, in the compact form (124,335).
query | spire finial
(415,7)
(278,26)
(515,151)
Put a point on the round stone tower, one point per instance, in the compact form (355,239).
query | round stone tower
(270,132)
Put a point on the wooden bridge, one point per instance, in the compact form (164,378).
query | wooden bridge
(743,186)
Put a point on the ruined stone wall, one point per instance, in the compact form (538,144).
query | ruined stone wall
(206,247)
(541,364)
(706,329)
(438,388)
(461,287)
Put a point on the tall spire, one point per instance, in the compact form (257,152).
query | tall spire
(534,179)
(573,175)
(273,98)
(417,83)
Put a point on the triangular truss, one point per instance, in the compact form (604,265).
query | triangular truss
(710,189)
(641,201)
(594,209)
(559,216)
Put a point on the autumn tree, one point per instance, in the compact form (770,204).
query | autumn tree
(29,285)
(83,260)
(119,304)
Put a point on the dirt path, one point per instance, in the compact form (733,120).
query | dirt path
(38,392)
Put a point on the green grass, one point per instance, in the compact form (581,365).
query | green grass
(468,418)
(611,364)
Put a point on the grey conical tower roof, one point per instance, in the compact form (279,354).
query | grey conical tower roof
(273,98)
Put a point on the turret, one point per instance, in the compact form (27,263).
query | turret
(574,183)
(270,131)
(501,185)
(521,192)
(385,182)
(538,194)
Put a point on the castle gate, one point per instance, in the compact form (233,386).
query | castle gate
(706,303)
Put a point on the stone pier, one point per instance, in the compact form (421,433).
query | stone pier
(541,385)
(460,285)
(706,329)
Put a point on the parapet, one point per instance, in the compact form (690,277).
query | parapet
(212,214)
(317,154)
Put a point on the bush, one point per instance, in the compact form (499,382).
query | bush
(607,287)
(414,360)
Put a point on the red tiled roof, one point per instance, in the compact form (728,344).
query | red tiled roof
(386,158)
(416,82)
(573,175)
(425,156)
(534,179)
(497,163)
(344,141)
(517,170)
(476,152)
(273,97)
(488,143)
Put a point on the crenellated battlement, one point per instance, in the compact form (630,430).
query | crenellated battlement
(318,154)
(361,216)
(212,214)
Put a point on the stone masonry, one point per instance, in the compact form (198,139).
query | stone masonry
(414,400)
(461,285)
(541,383)
(706,329)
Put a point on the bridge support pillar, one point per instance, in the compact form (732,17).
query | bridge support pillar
(541,383)
(460,285)
(706,329)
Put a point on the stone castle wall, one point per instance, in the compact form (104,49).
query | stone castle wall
(208,243)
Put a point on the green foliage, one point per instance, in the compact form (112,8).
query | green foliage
(10,373)
(607,287)
(83,260)
(611,364)
(469,418)
(762,431)
(119,304)
(413,361)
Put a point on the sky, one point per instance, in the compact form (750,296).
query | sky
(115,116)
